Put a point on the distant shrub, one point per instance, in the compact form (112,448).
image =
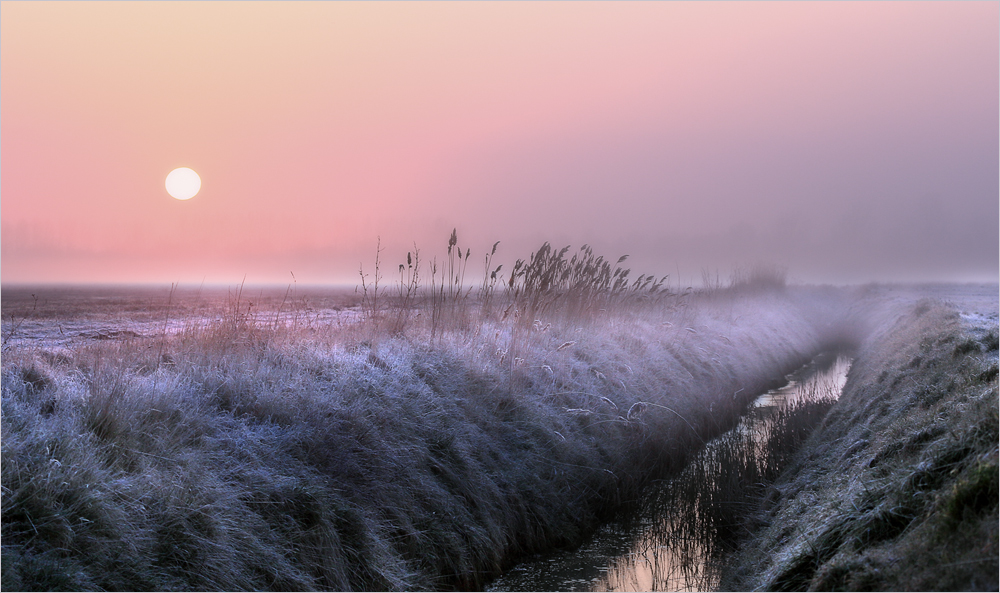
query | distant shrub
(759,277)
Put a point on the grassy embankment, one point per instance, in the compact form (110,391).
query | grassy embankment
(702,511)
(897,490)
(427,446)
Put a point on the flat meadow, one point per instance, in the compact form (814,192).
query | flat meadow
(422,432)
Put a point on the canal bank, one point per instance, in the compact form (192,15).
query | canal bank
(676,536)
(897,490)
(243,456)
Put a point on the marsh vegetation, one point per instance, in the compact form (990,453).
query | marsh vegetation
(898,488)
(680,532)
(425,435)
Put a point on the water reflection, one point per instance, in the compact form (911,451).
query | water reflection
(823,377)
(656,564)
(679,536)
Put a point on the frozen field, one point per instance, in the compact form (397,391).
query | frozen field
(72,315)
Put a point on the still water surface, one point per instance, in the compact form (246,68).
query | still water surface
(656,551)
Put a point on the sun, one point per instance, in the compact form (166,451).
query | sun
(183,183)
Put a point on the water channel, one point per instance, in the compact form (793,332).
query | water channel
(677,537)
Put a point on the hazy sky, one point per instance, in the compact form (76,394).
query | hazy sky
(847,141)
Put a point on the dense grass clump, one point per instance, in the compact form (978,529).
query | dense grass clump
(425,443)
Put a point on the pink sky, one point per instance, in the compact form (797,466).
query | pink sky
(847,141)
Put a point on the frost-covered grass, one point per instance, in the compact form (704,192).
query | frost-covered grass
(428,445)
(898,489)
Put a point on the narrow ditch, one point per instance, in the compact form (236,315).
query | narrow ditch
(676,538)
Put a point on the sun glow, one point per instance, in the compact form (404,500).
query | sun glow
(183,183)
